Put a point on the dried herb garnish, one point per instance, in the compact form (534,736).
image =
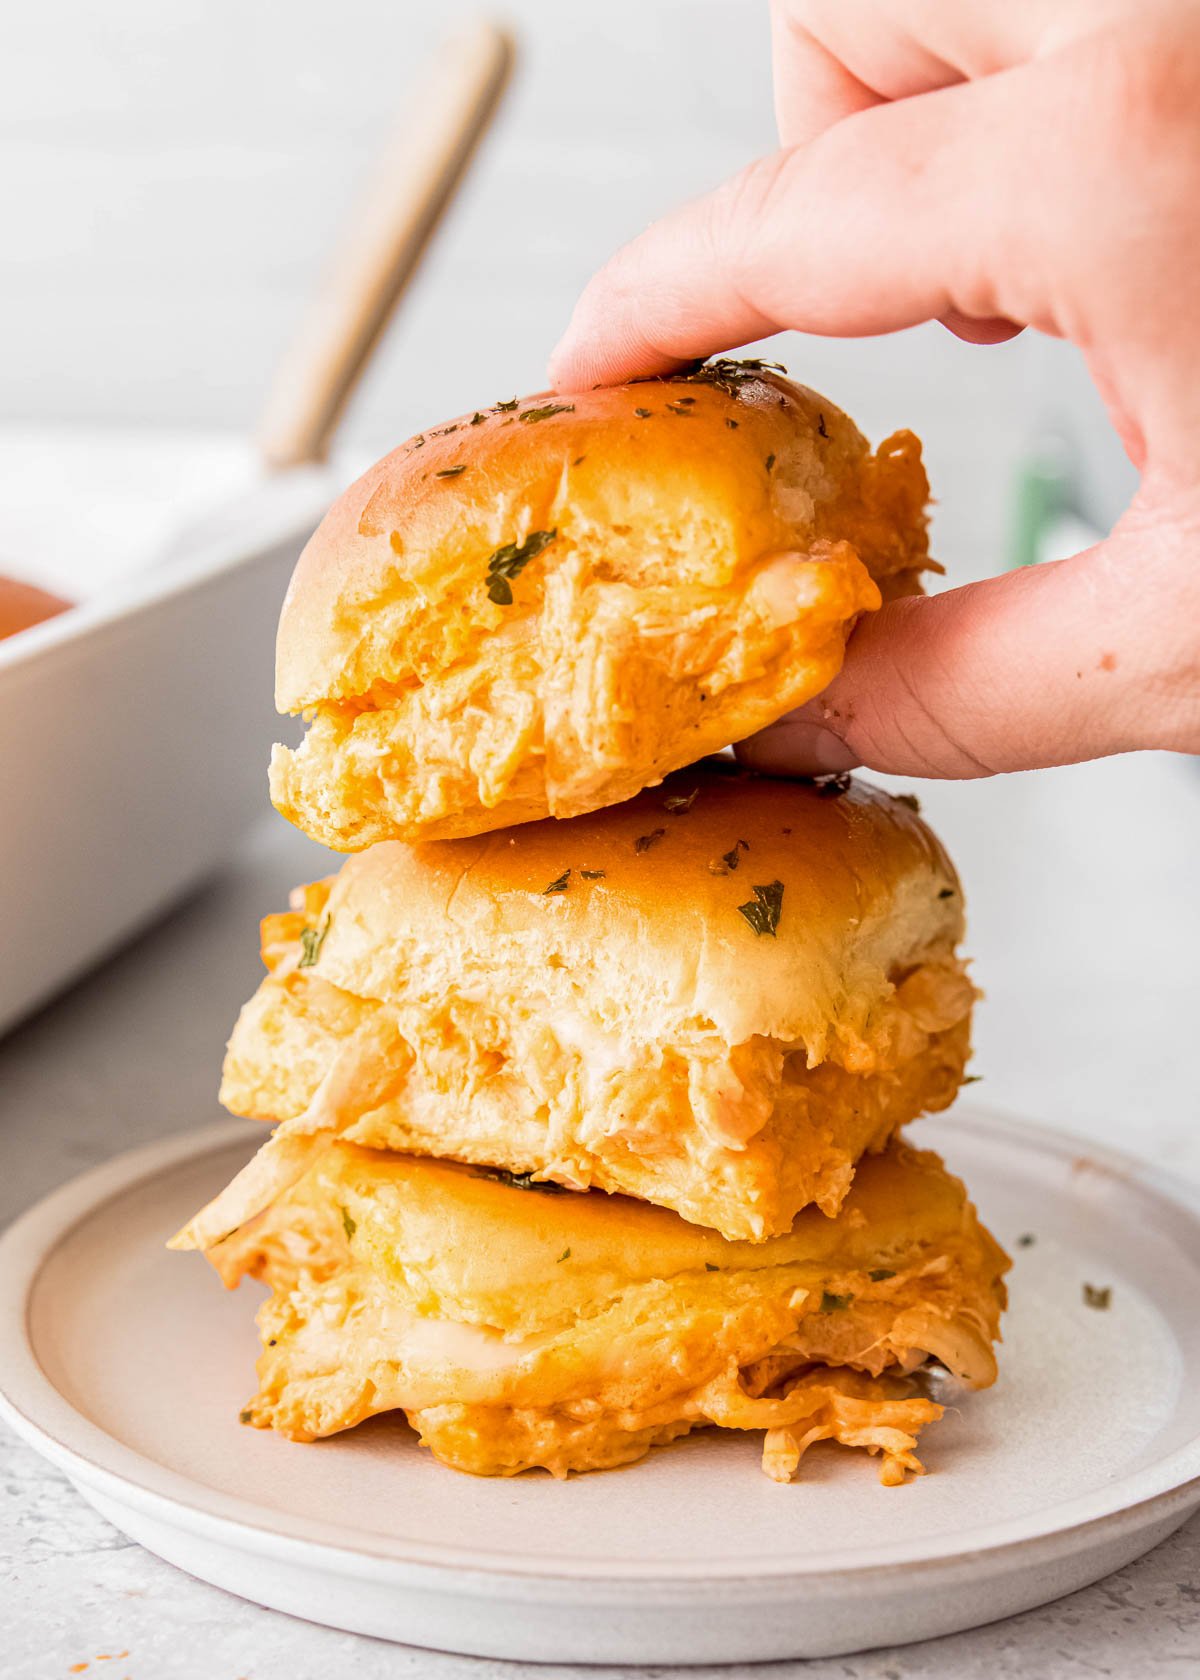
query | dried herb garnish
(880,1274)
(821,426)
(592,874)
(477,418)
(726,373)
(770,462)
(911,800)
(946,892)
(642,413)
(311,941)
(709,1267)
(245,1417)
(1026,1239)
(579,460)
(732,424)
(763,913)
(510,560)
(680,802)
(565,1255)
(972,1078)
(678,410)
(559,883)
(644,842)
(418,442)
(1101,1299)
(451,472)
(507,407)
(349,1224)
(520,1181)
(546,411)
(831,1303)
(728,860)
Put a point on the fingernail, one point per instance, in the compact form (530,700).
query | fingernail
(796,747)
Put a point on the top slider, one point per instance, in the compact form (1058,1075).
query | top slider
(547,605)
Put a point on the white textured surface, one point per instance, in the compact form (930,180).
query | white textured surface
(1084,923)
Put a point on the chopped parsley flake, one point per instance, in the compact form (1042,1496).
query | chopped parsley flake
(709,1267)
(507,407)
(728,860)
(520,1181)
(644,842)
(349,1223)
(510,560)
(831,1303)
(546,411)
(1026,1239)
(559,883)
(311,941)
(770,462)
(911,800)
(880,1274)
(565,1255)
(592,874)
(763,912)
(451,472)
(642,413)
(726,373)
(680,802)
(1101,1299)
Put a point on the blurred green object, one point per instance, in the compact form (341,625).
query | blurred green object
(1043,494)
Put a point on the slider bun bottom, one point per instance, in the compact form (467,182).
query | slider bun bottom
(517,1329)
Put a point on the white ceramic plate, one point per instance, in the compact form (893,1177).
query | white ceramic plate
(126,1366)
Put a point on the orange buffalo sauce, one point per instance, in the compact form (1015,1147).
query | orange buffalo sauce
(23,604)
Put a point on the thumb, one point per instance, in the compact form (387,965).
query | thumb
(1053,664)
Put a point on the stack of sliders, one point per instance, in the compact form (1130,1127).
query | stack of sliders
(587,1071)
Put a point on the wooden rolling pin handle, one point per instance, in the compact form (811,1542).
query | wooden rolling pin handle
(382,246)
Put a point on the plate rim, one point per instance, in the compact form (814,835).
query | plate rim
(41,1415)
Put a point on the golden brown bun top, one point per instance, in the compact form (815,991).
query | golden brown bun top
(718,901)
(688,479)
(484,1251)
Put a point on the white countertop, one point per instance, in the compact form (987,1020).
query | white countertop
(1085,921)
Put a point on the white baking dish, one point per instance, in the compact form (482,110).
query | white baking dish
(135,728)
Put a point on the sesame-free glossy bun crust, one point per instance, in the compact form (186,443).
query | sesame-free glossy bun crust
(586,1001)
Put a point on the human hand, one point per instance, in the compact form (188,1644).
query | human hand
(993,167)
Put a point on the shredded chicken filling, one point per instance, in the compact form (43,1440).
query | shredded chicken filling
(563,712)
(805,1353)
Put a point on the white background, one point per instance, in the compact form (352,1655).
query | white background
(171,178)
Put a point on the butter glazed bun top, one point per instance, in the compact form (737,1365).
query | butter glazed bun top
(715,997)
(542,608)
